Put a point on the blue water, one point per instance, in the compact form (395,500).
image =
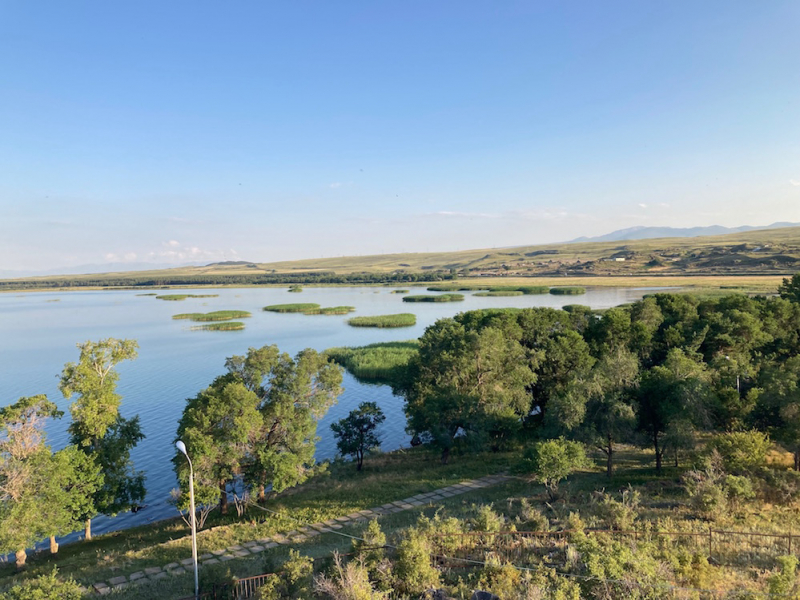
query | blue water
(39,332)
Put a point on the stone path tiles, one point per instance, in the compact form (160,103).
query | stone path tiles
(301,534)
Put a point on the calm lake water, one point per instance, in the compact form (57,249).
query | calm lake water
(39,331)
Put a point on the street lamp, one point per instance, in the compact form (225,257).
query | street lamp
(182,447)
(738,391)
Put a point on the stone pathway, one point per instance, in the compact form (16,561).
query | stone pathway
(301,534)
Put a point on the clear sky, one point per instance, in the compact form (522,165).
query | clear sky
(174,131)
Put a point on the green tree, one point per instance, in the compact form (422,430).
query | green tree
(474,382)
(45,587)
(790,288)
(99,430)
(355,434)
(678,390)
(778,408)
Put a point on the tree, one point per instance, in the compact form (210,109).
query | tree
(790,288)
(778,406)
(475,382)
(355,434)
(551,461)
(97,427)
(678,390)
(45,587)
(257,423)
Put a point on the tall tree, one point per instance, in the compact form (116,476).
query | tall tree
(475,382)
(355,434)
(778,407)
(678,390)
(98,429)
(790,288)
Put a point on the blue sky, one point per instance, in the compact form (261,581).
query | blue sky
(168,132)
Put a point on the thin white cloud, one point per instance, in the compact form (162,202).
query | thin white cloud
(465,215)
(794,182)
(335,184)
(173,243)
(663,205)
(642,205)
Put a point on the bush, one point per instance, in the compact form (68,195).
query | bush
(414,570)
(370,550)
(741,451)
(620,514)
(44,587)
(293,580)
(784,581)
(349,582)
(487,520)
(531,518)
(553,460)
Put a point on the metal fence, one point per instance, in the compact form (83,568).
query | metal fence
(530,548)
(241,589)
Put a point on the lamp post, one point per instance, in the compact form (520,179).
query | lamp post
(182,447)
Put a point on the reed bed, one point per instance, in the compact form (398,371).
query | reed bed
(525,289)
(501,293)
(384,362)
(330,310)
(299,307)
(295,289)
(179,297)
(218,315)
(455,287)
(399,292)
(568,291)
(150,294)
(225,326)
(384,321)
(440,298)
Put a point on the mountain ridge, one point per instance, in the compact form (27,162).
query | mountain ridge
(641,232)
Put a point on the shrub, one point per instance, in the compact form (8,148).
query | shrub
(501,579)
(293,580)
(487,520)
(531,518)
(349,582)
(784,581)
(741,451)
(553,460)
(44,587)
(369,549)
(414,570)
(620,514)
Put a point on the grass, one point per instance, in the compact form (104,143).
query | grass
(295,289)
(455,287)
(439,298)
(150,294)
(382,321)
(179,297)
(225,326)
(508,293)
(292,308)
(217,315)
(399,292)
(567,291)
(376,363)
(330,310)
(339,491)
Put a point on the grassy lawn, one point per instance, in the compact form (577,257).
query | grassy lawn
(339,491)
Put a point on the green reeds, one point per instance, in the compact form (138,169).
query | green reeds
(377,363)
(399,292)
(440,298)
(218,315)
(455,287)
(150,294)
(226,326)
(567,291)
(500,293)
(330,310)
(177,297)
(399,320)
(292,308)
(295,288)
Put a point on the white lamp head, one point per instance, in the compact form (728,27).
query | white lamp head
(182,447)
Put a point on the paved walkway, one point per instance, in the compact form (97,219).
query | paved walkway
(298,535)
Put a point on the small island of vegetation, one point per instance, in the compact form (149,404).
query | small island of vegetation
(501,293)
(384,362)
(330,310)
(295,288)
(399,292)
(439,298)
(218,315)
(300,307)
(224,326)
(567,291)
(398,320)
(179,297)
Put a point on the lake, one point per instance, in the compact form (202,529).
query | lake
(39,331)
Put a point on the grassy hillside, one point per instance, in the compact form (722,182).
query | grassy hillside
(766,253)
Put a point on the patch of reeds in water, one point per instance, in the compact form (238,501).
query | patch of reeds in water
(299,307)
(399,292)
(295,288)
(330,310)
(382,321)
(226,326)
(568,291)
(218,315)
(439,298)
(384,362)
(501,293)
(150,294)
(178,297)
(455,287)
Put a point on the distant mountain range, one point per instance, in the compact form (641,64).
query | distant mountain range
(646,233)
(99,268)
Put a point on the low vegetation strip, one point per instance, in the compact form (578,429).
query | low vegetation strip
(299,307)
(303,533)
(398,320)
(224,326)
(330,310)
(439,298)
(218,315)
(508,293)
(456,287)
(376,363)
(568,291)
(179,297)
(525,289)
